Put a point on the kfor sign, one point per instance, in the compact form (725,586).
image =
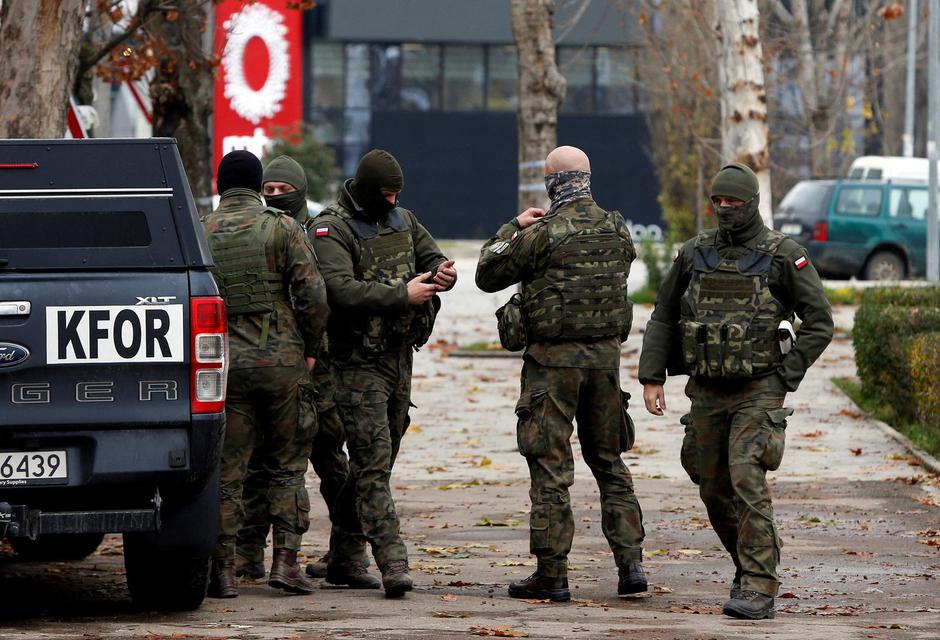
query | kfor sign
(259,86)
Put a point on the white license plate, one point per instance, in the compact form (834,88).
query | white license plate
(29,467)
(791,229)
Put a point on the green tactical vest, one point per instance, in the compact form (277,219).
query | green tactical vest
(729,317)
(385,256)
(583,292)
(241,267)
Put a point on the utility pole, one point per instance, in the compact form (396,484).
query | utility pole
(911,76)
(933,141)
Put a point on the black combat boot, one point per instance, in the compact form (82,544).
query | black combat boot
(318,569)
(395,579)
(538,587)
(247,568)
(354,575)
(222,579)
(286,574)
(751,606)
(632,580)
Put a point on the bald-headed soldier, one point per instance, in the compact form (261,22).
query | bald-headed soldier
(571,316)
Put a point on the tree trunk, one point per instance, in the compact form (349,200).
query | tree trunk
(541,90)
(39,41)
(181,92)
(744,135)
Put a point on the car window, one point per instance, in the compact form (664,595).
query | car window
(857,173)
(910,204)
(859,201)
(874,174)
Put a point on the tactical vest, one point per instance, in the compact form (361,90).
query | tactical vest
(729,317)
(582,295)
(386,256)
(241,267)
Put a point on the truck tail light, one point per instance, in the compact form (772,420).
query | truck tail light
(821,231)
(209,362)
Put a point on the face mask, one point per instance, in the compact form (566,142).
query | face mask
(293,202)
(736,218)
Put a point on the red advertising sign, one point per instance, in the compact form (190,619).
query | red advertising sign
(258,90)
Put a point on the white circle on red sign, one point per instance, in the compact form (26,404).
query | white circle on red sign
(255,21)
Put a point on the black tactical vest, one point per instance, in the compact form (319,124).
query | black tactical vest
(729,317)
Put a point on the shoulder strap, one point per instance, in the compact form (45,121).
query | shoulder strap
(770,242)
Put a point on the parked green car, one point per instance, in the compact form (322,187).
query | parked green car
(871,229)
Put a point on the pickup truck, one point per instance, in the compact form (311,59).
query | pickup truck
(113,362)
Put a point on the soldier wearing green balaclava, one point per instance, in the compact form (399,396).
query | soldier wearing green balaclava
(285,188)
(383,271)
(724,316)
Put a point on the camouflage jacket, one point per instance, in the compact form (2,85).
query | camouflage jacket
(292,331)
(342,262)
(792,280)
(517,255)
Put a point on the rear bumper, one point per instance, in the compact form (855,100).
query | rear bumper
(18,520)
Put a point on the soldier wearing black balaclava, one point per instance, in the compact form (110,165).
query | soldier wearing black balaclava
(724,316)
(383,272)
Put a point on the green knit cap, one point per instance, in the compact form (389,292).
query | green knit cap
(735,180)
(286,169)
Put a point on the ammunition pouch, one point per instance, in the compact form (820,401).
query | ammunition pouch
(733,350)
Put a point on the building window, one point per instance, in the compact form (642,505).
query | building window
(386,76)
(463,78)
(577,65)
(502,87)
(616,80)
(327,74)
(357,76)
(420,77)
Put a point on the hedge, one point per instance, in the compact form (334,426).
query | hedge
(923,352)
(886,322)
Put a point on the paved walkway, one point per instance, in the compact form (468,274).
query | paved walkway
(855,513)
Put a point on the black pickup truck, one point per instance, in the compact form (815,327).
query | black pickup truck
(112,362)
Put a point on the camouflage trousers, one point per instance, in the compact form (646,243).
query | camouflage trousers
(734,434)
(552,398)
(266,419)
(331,465)
(373,400)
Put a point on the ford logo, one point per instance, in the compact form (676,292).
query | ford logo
(12,354)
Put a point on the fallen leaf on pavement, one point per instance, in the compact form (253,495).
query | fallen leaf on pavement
(856,452)
(789,594)
(656,552)
(486,522)
(414,429)
(513,563)
(447,597)
(690,552)
(848,413)
(499,632)
(460,485)
(448,614)
(813,434)
(661,589)
(446,552)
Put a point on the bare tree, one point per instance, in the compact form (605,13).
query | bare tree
(541,90)
(741,88)
(677,72)
(37,41)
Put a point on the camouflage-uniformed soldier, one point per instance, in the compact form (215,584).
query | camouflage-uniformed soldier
(573,264)
(718,318)
(276,305)
(285,187)
(382,271)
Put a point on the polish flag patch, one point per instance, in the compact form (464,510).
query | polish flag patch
(800,262)
(321,231)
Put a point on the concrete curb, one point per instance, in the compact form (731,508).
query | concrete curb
(927,461)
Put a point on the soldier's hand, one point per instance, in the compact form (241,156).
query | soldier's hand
(529,216)
(654,397)
(420,291)
(446,275)
(311,363)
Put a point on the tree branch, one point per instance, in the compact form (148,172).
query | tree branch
(781,12)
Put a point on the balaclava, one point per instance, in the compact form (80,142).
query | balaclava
(239,169)
(377,171)
(736,180)
(286,169)
(565,186)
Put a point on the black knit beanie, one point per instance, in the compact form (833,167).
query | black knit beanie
(239,169)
